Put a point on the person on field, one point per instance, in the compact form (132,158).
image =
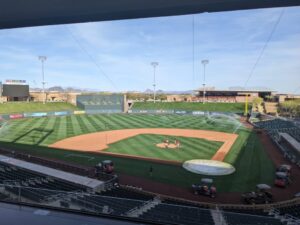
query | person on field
(167,143)
(177,143)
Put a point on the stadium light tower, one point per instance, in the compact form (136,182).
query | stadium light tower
(204,63)
(43,59)
(154,64)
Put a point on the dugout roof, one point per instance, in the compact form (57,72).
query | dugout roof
(58,174)
(16,13)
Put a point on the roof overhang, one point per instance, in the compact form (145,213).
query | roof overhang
(16,13)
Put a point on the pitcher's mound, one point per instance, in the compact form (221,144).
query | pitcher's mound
(163,145)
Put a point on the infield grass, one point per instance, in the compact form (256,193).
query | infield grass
(145,145)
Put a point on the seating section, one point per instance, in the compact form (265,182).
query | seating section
(120,200)
(243,219)
(166,213)
(184,203)
(291,210)
(116,206)
(35,187)
(257,212)
(282,126)
(126,193)
(276,126)
(3,196)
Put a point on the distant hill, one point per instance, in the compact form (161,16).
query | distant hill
(149,91)
(61,89)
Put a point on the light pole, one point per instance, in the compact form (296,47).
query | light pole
(43,59)
(204,63)
(154,64)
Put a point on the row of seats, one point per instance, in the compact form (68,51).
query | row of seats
(291,210)
(128,194)
(257,212)
(34,186)
(243,219)
(282,126)
(276,126)
(166,213)
(116,206)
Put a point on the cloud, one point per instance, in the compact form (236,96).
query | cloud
(124,50)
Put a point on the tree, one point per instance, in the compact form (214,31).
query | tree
(257,101)
(290,108)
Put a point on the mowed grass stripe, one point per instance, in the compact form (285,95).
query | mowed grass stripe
(50,127)
(82,124)
(89,124)
(68,126)
(149,120)
(96,124)
(135,122)
(124,123)
(118,123)
(33,135)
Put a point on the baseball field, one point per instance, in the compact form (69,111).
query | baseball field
(131,155)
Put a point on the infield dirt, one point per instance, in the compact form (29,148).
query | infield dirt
(99,141)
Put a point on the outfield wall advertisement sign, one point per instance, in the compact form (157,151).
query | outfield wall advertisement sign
(79,112)
(181,112)
(151,111)
(63,113)
(38,114)
(200,113)
(16,116)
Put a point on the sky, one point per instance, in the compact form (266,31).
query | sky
(117,55)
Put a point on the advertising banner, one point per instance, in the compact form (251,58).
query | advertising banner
(79,112)
(38,114)
(198,113)
(16,116)
(181,112)
(62,113)
(5,117)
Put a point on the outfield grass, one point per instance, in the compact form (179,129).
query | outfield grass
(213,107)
(145,145)
(47,130)
(247,155)
(18,107)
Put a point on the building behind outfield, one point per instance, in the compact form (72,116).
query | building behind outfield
(231,96)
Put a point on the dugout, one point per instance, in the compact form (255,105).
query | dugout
(102,103)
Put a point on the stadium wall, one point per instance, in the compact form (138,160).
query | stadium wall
(180,112)
(93,104)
